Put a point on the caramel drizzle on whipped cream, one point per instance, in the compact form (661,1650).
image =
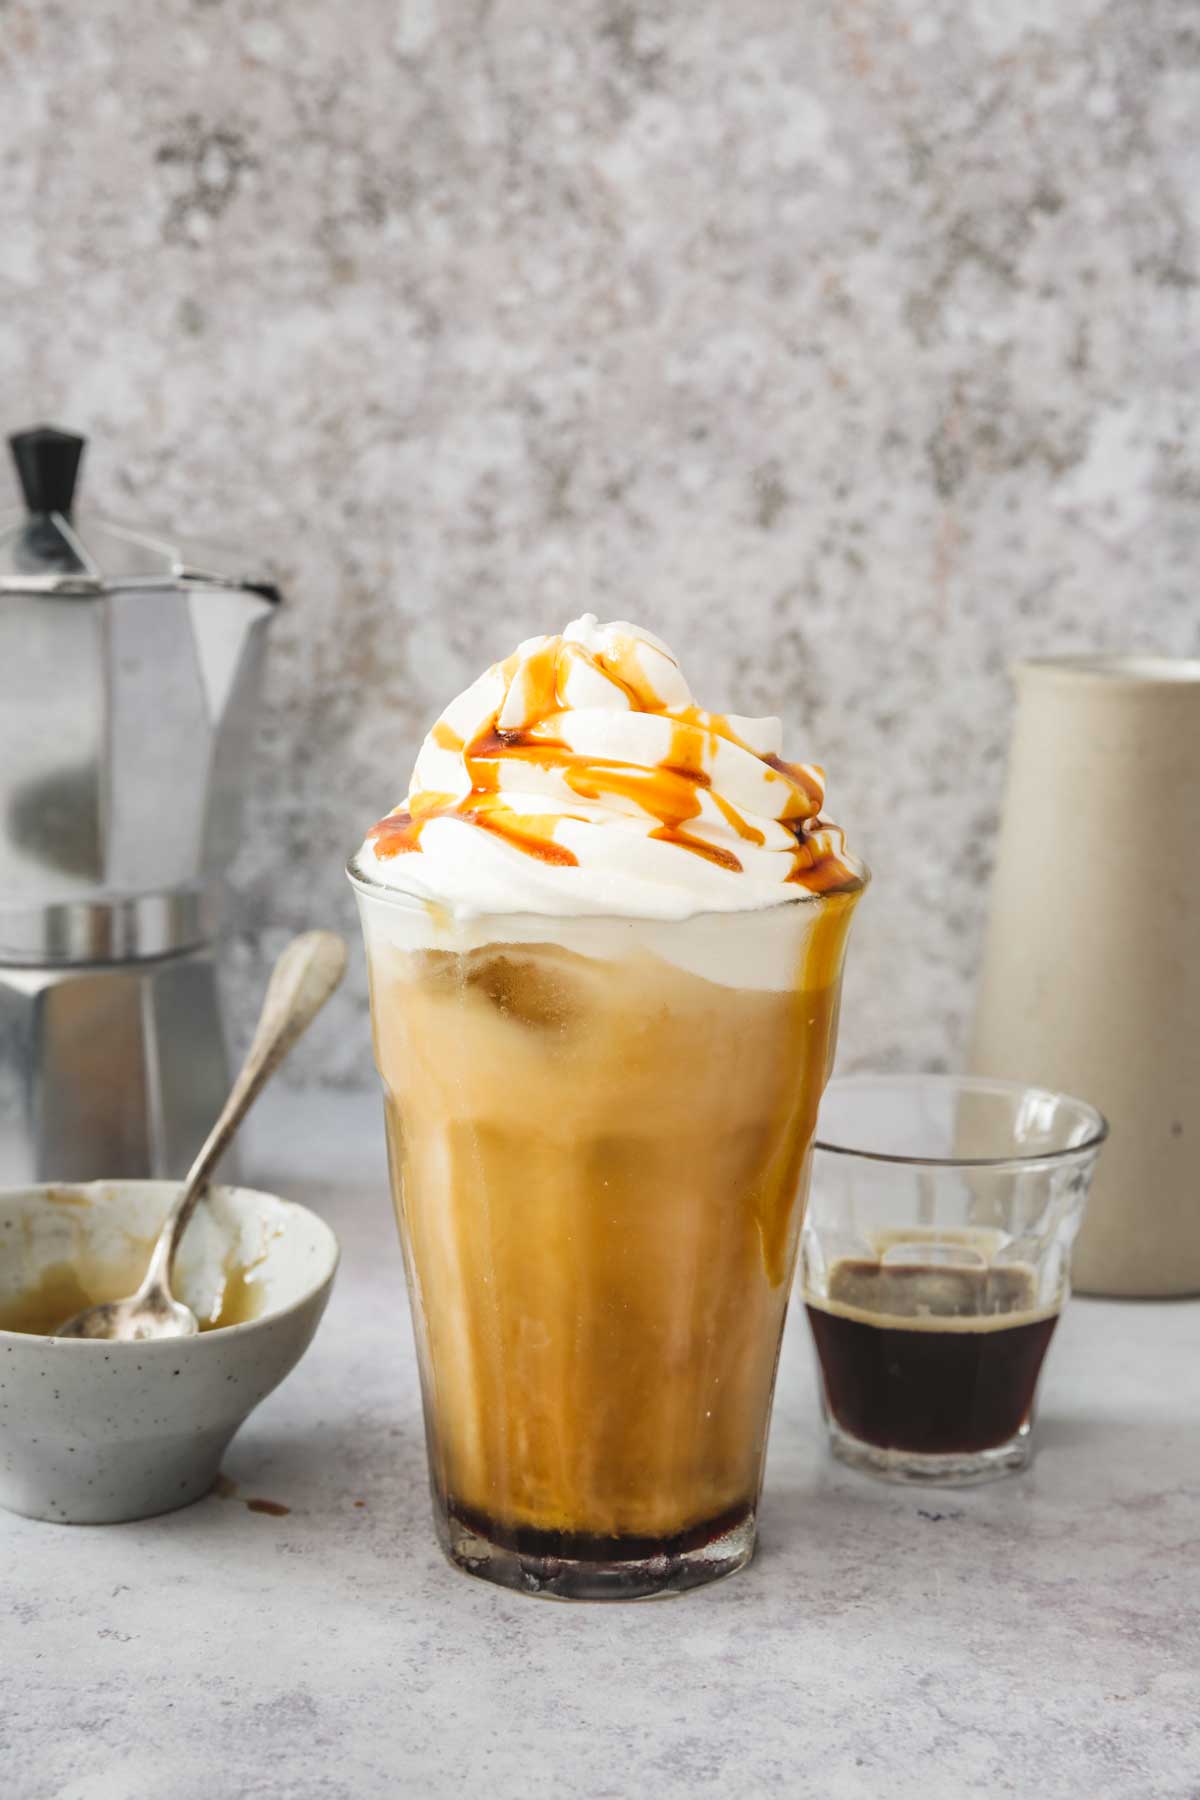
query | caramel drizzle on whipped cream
(669,792)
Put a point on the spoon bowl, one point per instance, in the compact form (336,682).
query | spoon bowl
(133,1321)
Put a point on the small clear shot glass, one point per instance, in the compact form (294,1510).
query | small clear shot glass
(934,1262)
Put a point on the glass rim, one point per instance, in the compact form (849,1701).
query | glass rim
(978,1084)
(408,901)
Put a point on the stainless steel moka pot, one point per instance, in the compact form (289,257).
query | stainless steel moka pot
(129,675)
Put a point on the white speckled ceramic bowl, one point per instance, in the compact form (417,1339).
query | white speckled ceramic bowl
(93,1432)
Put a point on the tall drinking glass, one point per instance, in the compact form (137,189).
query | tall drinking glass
(598,1133)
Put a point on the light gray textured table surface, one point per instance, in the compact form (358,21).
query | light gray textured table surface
(1038,1637)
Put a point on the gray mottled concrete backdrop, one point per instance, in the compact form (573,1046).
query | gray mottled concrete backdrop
(851,346)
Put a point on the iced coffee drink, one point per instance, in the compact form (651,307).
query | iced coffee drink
(605,935)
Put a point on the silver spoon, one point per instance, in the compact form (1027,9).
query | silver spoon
(301,982)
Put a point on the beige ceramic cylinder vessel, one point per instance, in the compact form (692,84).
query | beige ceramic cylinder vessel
(1091,976)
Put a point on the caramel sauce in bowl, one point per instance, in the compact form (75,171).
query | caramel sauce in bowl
(93,1431)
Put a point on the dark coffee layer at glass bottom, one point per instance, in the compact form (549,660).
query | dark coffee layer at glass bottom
(570,1565)
(583,1546)
(935,1393)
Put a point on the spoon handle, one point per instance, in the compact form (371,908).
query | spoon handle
(301,982)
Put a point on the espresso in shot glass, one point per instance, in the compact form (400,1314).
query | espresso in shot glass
(936,1356)
(933,1283)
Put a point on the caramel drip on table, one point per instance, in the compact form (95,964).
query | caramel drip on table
(669,792)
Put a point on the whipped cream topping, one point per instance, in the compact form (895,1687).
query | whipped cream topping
(578,777)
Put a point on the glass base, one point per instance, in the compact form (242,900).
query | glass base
(635,1570)
(962,1469)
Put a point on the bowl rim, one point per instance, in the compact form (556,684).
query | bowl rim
(224,1333)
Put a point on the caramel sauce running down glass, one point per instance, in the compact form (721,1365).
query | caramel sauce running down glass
(599,1162)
